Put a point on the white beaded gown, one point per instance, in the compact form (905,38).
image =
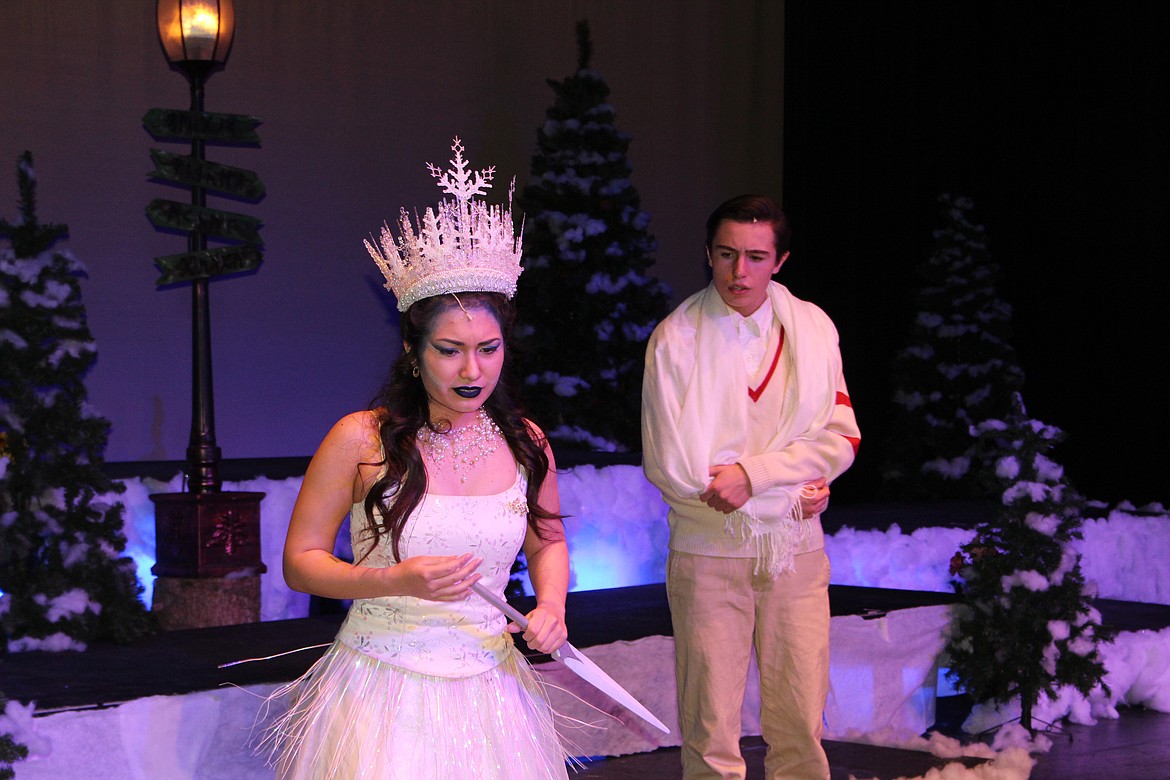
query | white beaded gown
(414,689)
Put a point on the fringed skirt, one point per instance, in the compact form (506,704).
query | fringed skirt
(351,716)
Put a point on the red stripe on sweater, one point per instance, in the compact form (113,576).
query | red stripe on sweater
(854,441)
(755,394)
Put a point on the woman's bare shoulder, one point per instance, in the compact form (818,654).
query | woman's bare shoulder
(539,438)
(358,435)
(367,419)
(535,432)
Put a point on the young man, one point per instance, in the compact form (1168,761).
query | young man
(745,421)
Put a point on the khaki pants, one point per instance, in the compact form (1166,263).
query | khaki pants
(720,609)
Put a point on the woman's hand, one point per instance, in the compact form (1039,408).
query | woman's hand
(546,629)
(814,497)
(434,577)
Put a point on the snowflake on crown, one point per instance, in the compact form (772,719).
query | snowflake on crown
(460,182)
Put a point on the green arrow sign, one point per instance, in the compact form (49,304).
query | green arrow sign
(173,123)
(210,222)
(188,170)
(208,263)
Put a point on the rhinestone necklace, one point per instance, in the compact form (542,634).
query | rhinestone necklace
(465,446)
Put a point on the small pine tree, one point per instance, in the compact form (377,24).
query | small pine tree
(11,751)
(958,368)
(1026,625)
(586,302)
(64,580)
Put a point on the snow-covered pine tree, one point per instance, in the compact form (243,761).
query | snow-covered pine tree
(958,367)
(64,580)
(1026,625)
(11,751)
(587,305)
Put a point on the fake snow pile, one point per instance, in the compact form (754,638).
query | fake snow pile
(617,536)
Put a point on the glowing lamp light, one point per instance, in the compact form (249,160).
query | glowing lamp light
(196,31)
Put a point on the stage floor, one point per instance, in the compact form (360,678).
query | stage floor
(180,662)
(1134,747)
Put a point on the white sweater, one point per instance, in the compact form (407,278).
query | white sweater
(827,451)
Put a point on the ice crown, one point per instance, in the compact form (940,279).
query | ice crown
(462,245)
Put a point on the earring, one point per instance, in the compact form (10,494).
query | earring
(414,370)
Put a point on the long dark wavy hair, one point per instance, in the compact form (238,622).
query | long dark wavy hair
(402,409)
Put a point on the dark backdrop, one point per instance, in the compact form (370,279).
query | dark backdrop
(1052,117)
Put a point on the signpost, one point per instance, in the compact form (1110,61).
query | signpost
(174,125)
(187,170)
(196,219)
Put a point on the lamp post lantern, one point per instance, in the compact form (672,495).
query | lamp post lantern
(196,33)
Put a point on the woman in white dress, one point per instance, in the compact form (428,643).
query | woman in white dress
(445,482)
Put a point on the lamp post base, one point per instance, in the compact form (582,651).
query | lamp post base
(207,534)
(208,567)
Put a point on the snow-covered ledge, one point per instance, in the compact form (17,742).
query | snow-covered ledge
(617,537)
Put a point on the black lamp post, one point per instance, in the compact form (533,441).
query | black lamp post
(207,541)
(197,36)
